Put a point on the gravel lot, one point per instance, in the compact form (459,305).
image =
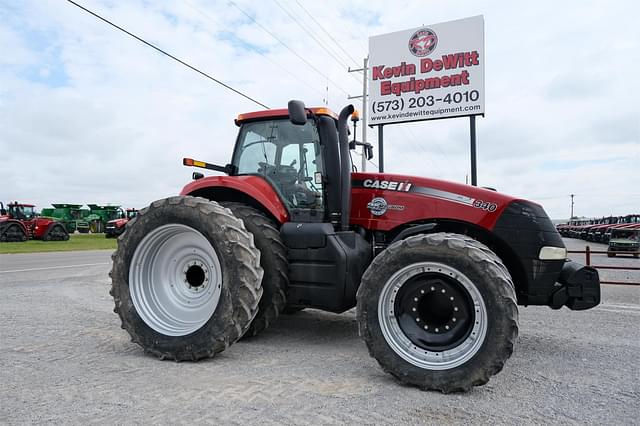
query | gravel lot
(64,359)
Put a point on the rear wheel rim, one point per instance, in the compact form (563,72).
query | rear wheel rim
(432,315)
(175,280)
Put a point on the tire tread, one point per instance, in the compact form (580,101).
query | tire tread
(248,283)
(479,254)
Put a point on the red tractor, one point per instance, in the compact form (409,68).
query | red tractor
(435,269)
(116,227)
(19,222)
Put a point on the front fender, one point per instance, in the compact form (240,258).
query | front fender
(253,187)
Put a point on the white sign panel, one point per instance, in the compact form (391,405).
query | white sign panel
(431,72)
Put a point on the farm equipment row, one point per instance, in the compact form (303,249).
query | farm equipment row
(20,222)
(598,230)
(75,218)
(621,233)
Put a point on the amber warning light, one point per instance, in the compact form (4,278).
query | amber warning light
(195,163)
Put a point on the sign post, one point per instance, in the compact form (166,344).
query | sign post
(380,148)
(428,73)
(472,131)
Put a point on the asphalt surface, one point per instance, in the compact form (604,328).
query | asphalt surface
(64,359)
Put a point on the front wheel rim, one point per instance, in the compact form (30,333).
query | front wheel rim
(444,355)
(175,280)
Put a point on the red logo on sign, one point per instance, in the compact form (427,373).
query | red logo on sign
(423,42)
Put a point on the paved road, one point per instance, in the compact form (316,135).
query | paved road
(45,263)
(64,359)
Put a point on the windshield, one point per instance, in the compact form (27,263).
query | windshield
(286,155)
(623,234)
(21,212)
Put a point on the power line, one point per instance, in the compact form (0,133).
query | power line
(309,64)
(331,53)
(417,144)
(327,33)
(283,68)
(168,54)
(369,161)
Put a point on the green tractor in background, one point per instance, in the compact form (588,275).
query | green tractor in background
(99,216)
(72,216)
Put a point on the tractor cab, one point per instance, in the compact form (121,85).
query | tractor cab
(288,156)
(303,154)
(297,151)
(22,211)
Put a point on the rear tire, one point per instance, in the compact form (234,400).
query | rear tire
(273,259)
(186,278)
(439,312)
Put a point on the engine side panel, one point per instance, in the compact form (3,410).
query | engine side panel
(382,201)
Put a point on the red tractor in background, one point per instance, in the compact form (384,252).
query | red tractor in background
(116,227)
(435,269)
(19,222)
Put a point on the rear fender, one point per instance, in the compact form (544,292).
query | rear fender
(252,190)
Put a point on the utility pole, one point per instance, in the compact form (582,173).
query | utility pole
(364,109)
(572,195)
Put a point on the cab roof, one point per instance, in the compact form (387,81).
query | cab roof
(279,113)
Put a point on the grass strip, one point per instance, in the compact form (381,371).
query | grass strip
(76,242)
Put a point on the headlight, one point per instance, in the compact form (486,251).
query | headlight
(552,253)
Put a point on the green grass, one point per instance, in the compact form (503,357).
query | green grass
(76,242)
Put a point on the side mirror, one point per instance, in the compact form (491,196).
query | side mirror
(297,113)
(369,150)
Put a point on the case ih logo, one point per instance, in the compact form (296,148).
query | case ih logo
(379,206)
(423,42)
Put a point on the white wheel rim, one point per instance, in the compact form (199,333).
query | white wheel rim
(405,348)
(175,280)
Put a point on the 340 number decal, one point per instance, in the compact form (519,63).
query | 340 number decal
(485,205)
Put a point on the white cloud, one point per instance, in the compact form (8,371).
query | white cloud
(88,114)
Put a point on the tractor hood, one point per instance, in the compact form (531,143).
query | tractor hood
(118,222)
(383,201)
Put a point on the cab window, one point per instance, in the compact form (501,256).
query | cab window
(286,155)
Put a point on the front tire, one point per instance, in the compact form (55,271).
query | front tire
(439,312)
(186,278)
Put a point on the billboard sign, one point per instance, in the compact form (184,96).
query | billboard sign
(426,73)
